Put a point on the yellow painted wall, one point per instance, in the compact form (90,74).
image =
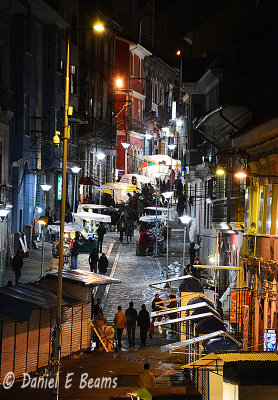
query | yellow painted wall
(215,386)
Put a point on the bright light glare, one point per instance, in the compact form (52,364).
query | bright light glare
(98,27)
(178,53)
(119,83)
(125,145)
(171,146)
(148,136)
(212,259)
(240,174)
(100,156)
(4,213)
(185,219)
(220,171)
(39,210)
(75,170)
(46,188)
(167,195)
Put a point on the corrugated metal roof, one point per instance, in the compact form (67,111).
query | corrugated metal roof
(84,278)
(31,294)
(220,358)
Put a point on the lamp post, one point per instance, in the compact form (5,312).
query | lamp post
(148,136)
(171,147)
(45,189)
(75,170)
(100,156)
(167,196)
(66,136)
(126,146)
(42,222)
(3,215)
(157,176)
(185,219)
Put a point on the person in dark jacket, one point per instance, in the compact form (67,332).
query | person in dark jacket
(102,264)
(93,260)
(101,231)
(173,304)
(121,227)
(74,254)
(131,318)
(144,324)
(97,308)
(17,264)
(192,252)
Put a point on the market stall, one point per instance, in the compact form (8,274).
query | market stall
(119,190)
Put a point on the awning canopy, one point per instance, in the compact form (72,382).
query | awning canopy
(126,187)
(219,359)
(88,180)
(76,283)
(17,302)
(89,216)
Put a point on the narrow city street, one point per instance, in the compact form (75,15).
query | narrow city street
(135,274)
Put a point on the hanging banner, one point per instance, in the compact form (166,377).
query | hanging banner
(238,299)
(59,187)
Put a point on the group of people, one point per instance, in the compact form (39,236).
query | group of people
(127,320)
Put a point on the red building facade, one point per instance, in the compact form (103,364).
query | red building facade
(129,102)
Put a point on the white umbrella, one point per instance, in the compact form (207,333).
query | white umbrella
(89,216)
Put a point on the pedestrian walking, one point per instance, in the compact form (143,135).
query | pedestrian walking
(74,254)
(144,324)
(192,252)
(100,321)
(93,260)
(101,231)
(17,264)
(131,318)
(121,227)
(102,264)
(129,230)
(97,308)
(146,378)
(120,324)
(155,307)
(219,309)
(173,304)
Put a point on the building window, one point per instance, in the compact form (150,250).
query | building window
(73,86)
(131,64)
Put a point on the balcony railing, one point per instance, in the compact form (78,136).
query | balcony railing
(228,210)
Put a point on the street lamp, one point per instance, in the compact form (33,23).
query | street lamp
(75,170)
(126,146)
(3,215)
(42,222)
(168,196)
(157,175)
(148,136)
(185,219)
(100,156)
(66,136)
(45,189)
(171,147)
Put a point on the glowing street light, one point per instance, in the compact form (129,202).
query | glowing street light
(76,171)
(185,219)
(220,171)
(240,174)
(126,146)
(119,83)
(100,156)
(168,196)
(98,27)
